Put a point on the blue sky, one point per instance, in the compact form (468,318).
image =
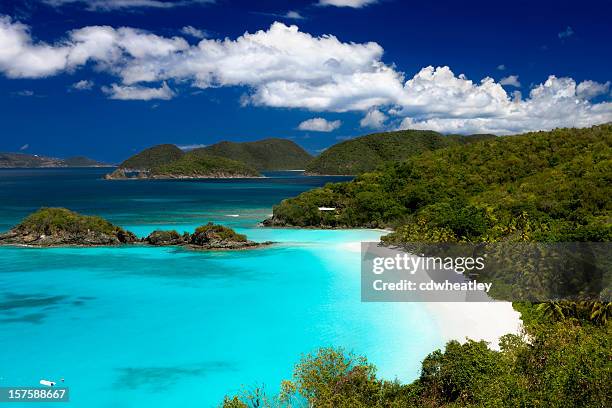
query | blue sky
(73,81)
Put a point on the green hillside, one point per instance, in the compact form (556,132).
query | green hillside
(152,157)
(81,161)
(549,186)
(198,163)
(266,154)
(368,152)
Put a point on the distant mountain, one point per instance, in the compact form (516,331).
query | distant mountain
(199,164)
(366,153)
(22,160)
(152,157)
(82,161)
(266,154)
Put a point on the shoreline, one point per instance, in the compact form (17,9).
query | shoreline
(487,321)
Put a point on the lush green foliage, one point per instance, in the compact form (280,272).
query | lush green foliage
(554,364)
(220,232)
(366,153)
(543,186)
(200,164)
(153,157)
(51,221)
(266,154)
(546,186)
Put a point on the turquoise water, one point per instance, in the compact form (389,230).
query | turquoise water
(165,327)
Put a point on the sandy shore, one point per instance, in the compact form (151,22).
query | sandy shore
(475,320)
(486,321)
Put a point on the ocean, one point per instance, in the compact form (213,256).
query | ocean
(168,327)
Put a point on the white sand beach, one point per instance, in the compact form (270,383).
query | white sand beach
(475,320)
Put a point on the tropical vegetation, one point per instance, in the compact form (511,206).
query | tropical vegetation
(367,153)
(152,157)
(263,155)
(200,164)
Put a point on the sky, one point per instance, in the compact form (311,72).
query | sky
(107,78)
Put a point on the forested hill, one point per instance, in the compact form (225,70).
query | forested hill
(152,157)
(366,153)
(266,154)
(23,160)
(547,186)
(201,164)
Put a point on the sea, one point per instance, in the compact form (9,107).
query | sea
(169,327)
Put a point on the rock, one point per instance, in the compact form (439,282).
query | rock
(211,236)
(62,227)
(165,238)
(118,174)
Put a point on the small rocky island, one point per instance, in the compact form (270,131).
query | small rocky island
(62,227)
(51,227)
(209,236)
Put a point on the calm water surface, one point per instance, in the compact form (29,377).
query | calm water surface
(167,327)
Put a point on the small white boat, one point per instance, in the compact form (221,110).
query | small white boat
(327,208)
(47,383)
(232,215)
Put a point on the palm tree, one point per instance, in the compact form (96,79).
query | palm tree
(554,310)
(600,312)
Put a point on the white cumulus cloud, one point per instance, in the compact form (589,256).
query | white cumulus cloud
(295,15)
(83,85)
(320,125)
(287,68)
(194,32)
(141,93)
(592,89)
(373,119)
(511,80)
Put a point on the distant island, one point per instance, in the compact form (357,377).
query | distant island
(222,160)
(53,227)
(366,153)
(22,160)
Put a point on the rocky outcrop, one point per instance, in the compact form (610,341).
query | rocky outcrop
(166,238)
(126,174)
(61,227)
(205,237)
(49,227)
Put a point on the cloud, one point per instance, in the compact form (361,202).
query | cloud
(284,67)
(25,92)
(138,92)
(191,146)
(319,125)
(83,85)
(501,67)
(20,57)
(294,15)
(194,32)
(568,32)
(109,5)
(511,80)
(24,147)
(592,89)
(373,119)
(347,3)
(551,104)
